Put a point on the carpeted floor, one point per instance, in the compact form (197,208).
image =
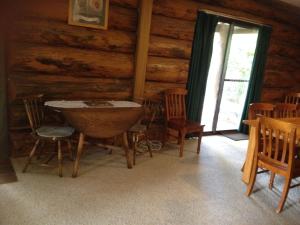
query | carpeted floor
(163,190)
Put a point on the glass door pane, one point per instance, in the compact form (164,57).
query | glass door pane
(213,80)
(236,80)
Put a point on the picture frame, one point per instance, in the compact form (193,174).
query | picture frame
(89,13)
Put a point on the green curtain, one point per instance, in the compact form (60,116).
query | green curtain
(257,72)
(199,64)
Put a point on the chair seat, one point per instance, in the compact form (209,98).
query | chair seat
(137,128)
(178,124)
(55,131)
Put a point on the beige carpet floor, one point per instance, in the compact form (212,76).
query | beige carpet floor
(163,190)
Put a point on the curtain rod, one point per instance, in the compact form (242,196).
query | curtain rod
(233,17)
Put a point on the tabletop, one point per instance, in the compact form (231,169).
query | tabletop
(69,104)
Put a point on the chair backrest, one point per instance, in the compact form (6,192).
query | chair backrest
(285,110)
(175,103)
(152,110)
(264,109)
(278,147)
(292,98)
(34,109)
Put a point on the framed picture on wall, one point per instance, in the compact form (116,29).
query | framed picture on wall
(89,13)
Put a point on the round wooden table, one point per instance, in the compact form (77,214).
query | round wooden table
(99,119)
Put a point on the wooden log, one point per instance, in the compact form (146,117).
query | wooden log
(167,70)
(184,30)
(125,3)
(122,18)
(75,62)
(56,86)
(284,49)
(168,47)
(279,80)
(187,9)
(119,17)
(61,34)
(180,9)
(284,33)
(173,28)
(142,47)
(155,90)
(281,64)
(273,95)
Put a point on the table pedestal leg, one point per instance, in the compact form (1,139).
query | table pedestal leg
(126,149)
(79,152)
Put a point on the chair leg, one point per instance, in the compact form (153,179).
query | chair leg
(243,167)
(134,140)
(31,155)
(271,182)
(165,137)
(59,154)
(70,149)
(181,136)
(149,146)
(252,178)
(50,158)
(284,194)
(126,149)
(199,142)
(41,150)
(78,155)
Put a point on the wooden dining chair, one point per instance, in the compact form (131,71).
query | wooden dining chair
(34,107)
(285,110)
(292,98)
(260,108)
(276,154)
(175,113)
(140,131)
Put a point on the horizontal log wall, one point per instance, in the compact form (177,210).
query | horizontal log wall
(172,33)
(46,55)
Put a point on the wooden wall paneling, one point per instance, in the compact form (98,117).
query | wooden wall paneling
(125,3)
(284,49)
(188,9)
(167,69)
(172,27)
(61,34)
(57,10)
(46,55)
(122,18)
(281,57)
(57,86)
(169,47)
(273,94)
(280,63)
(143,36)
(279,79)
(64,60)
(155,90)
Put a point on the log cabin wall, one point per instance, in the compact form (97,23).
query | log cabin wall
(172,32)
(47,55)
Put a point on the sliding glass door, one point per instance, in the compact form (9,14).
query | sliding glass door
(229,74)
